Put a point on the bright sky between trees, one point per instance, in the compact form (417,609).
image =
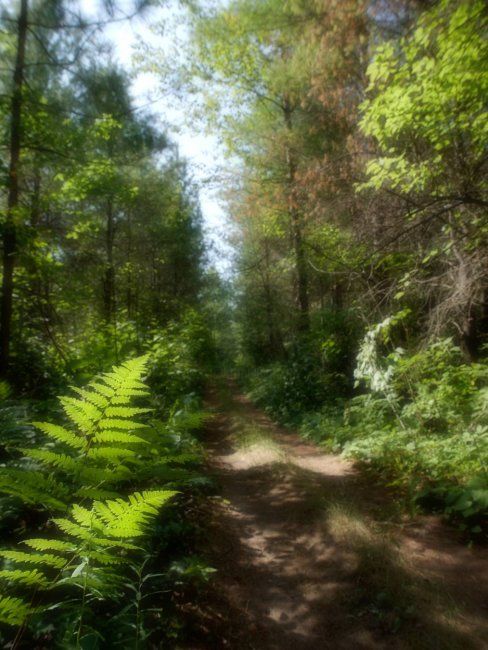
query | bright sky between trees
(200,150)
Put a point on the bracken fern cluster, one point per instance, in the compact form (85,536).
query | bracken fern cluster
(85,472)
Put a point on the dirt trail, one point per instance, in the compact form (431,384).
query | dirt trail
(310,555)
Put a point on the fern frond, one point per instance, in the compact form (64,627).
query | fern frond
(102,389)
(104,558)
(129,518)
(32,577)
(117,518)
(61,461)
(180,459)
(118,436)
(13,611)
(77,415)
(122,380)
(88,411)
(95,493)
(93,397)
(125,411)
(46,559)
(133,392)
(121,400)
(34,487)
(86,535)
(114,423)
(60,434)
(110,453)
(72,529)
(83,516)
(108,475)
(41,544)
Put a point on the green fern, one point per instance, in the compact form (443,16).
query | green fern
(13,611)
(92,452)
(32,578)
(84,469)
(96,537)
(35,487)
(43,559)
(117,518)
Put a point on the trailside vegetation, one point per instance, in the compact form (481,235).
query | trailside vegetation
(355,135)
(104,284)
(356,185)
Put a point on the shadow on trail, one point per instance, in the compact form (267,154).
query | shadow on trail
(304,563)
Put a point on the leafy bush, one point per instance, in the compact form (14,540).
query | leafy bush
(179,357)
(423,425)
(300,384)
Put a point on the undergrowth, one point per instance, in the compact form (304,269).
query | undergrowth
(419,422)
(90,561)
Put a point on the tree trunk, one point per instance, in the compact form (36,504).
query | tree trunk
(296,230)
(109,278)
(129,294)
(9,238)
(273,336)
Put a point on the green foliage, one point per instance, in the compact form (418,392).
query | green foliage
(13,611)
(97,451)
(423,427)
(97,470)
(180,356)
(429,93)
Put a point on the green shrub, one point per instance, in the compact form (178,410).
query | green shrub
(423,425)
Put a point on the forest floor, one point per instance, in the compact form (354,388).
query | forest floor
(311,554)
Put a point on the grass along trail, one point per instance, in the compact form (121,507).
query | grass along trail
(310,555)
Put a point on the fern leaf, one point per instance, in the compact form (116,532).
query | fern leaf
(108,475)
(83,516)
(32,578)
(110,453)
(104,558)
(85,535)
(77,416)
(133,392)
(113,423)
(106,391)
(129,518)
(46,559)
(41,544)
(87,409)
(124,411)
(121,400)
(118,436)
(35,488)
(93,397)
(180,459)
(72,529)
(95,493)
(60,434)
(13,611)
(61,461)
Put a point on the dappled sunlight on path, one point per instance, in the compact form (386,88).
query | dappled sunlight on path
(305,560)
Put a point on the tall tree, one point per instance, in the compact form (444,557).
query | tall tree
(9,236)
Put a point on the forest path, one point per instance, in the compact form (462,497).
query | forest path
(310,555)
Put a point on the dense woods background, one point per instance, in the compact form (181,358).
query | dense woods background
(357,310)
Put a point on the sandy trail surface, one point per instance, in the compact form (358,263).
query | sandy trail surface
(310,554)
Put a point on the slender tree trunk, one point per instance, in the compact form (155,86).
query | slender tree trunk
(268,301)
(109,278)
(129,295)
(296,230)
(9,238)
